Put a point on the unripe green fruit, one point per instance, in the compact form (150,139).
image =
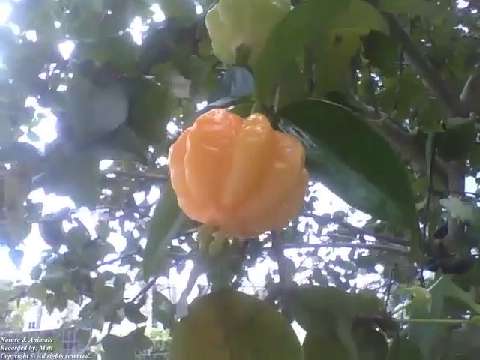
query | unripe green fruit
(246,23)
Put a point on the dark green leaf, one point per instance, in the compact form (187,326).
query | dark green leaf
(183,10)
(163,310)
(36,272)
(21,152)
(371,344)
(125,348)
(166,221)
(334,60)
(325,346)
(402,349)
(118,52)
(403,94)
(16,256)
(37,291)
(300,27)
(292,86)
(336,49)
(409,7)
(382,52)
(362,169)
(94,111)
(325,307)
(151,109)
(430,337)
(55,276)
(133,313)
(77,176)
(457,142)
(122,144)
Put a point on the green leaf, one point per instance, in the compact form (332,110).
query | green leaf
(165,223)
(163,310)
(7,135)
(402,94)
(93,252)
(121,14)
(16,256)
(151,109)
(325,346)
(336,39)
(371,344)
(445,288)
(334,61)
(16,187)
(362,169)
(106,295)
(122,144)
(302,25)
(243,109)
(119,52)
(382,52)
(311,303)
(94,111)
(292,86)
(232,325)
(125,348)
(430,336)
(407,7)
(183,10)
(459,209)
(330,312)
(361,17)
(76,175)
(402,348)
(37,291)
(36,272)
(431,116)
(133,313)
(420,303)
(457,142)
(463,343)
(21,152)
(55,276)
(475,320)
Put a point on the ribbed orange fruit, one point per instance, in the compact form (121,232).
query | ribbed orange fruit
(238,174)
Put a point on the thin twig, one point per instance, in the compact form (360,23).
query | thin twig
(120,258)
(140,175)
(339,244)
(283,271)
(378,237)
(282,260)
(197,270)
(145,289)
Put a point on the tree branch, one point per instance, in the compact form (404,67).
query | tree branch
(455,170)
(378,237)
(119,258)
(339,244)
(150,175)
(195,273)
(283,270)
(282,260)
(408,147)
(426,70)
